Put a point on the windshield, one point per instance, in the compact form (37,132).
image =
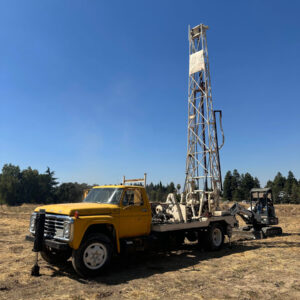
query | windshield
(104,195)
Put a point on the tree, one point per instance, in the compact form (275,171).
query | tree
(236,180)
(47,186)
(278,188)
(10,186)
(295,194)
(171,188)
(256,183)
(159,196)
(247,183)
(70,192)
(227,186)
(30,188)
(237,195)
(290,181)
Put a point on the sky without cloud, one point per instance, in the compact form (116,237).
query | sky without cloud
(98,89)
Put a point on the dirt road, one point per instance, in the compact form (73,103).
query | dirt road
(250,269)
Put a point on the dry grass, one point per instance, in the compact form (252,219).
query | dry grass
(251,269)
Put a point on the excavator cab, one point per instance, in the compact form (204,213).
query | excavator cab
(262,205)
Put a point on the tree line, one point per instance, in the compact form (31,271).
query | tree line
(29,186)
(237,187)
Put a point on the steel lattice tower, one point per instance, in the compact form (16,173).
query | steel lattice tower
(203,174)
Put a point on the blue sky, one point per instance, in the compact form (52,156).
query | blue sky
(98,89)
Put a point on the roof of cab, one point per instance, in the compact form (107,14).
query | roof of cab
(118,186)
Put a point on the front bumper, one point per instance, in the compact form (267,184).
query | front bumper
(50,243)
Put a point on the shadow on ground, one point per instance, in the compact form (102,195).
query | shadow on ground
(145,264)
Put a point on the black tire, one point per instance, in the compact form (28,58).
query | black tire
(93,255)
(55,257)
(214,237)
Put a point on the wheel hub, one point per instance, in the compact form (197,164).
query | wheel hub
(95,256)
(217,237)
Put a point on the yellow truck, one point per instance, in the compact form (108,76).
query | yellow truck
(114,218)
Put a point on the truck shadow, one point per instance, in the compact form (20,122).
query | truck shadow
(145,264)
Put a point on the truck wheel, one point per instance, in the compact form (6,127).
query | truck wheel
(93,255)
(54,257)
(214,237)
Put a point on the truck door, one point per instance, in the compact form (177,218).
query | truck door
(135,218)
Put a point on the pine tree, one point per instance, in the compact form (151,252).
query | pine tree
(256,183)
(247,183)
(278,188)
(227,186)
(290,181)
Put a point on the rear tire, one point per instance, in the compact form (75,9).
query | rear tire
(93,255)
(214,237)
(54,257)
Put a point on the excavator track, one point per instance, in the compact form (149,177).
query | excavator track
(265,232)
(271,231)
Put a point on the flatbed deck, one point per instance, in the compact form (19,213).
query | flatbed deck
(202,223)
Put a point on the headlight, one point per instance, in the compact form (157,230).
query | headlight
(67,230)
(32,223)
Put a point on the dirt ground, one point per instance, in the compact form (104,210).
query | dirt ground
(249,269)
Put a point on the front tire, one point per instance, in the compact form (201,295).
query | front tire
(54,257)
(93,255)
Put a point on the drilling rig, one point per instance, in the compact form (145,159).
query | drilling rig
(203,182)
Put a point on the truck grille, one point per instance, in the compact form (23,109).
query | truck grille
(54,226)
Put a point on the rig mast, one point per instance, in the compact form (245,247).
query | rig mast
(203,182)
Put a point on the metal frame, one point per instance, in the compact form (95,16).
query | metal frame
(203,180)
(142,180)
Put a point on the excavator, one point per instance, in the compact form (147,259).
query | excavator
(260,216)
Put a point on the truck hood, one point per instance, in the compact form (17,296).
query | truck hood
(83,208)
